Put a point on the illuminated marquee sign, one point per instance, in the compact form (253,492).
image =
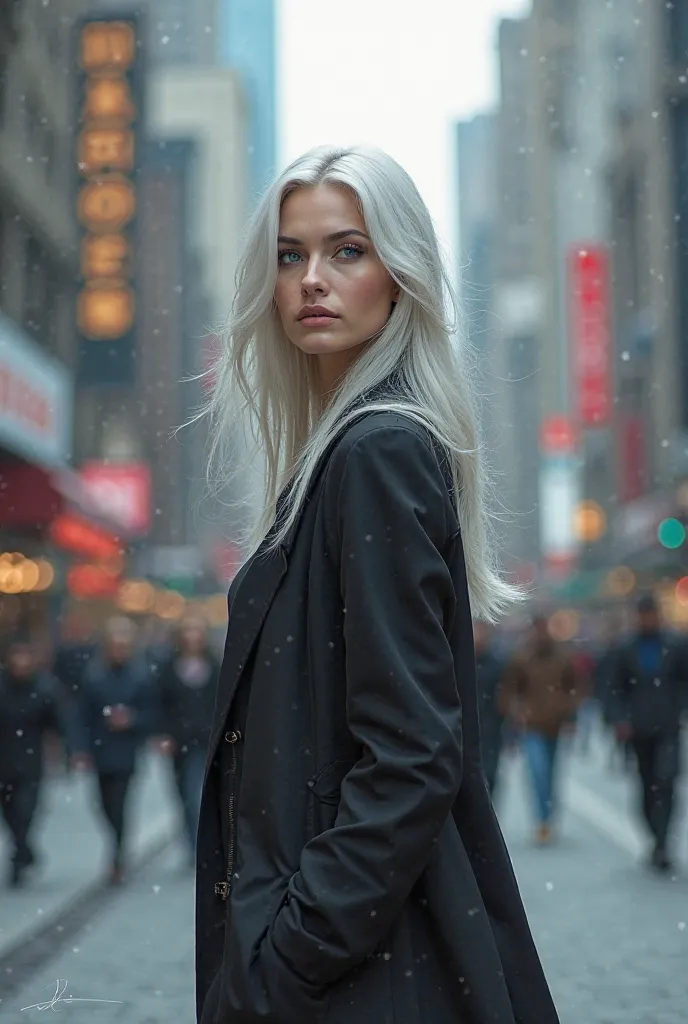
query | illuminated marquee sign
(107,157)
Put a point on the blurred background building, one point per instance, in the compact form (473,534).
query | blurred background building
(127,170)
(572,198)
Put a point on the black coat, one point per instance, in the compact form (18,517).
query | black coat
(102,687)
(29,709)
(369,883)
(651,706)
(69,666)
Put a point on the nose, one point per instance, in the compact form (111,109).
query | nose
(314,280)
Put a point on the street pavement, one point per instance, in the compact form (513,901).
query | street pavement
(71,842)
(613,937)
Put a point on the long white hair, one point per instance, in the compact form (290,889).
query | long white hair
(263,379)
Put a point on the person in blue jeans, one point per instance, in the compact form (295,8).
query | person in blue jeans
(186,683)
(540,694)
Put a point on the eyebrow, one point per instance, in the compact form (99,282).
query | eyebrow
(334,237)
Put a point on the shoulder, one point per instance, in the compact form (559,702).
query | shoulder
(373,431)
(390,445)
(47,685)
(388,462)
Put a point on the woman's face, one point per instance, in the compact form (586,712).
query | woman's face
(327,260)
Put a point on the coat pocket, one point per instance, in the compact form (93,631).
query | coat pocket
(325,793)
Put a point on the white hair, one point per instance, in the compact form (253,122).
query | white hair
(263,379)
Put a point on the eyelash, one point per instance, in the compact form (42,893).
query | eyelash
(349,245)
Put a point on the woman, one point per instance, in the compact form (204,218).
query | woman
(350,867)
(186,687)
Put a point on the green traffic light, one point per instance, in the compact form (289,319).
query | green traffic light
(671,533)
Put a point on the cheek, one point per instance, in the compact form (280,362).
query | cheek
(370,291)
(284,300)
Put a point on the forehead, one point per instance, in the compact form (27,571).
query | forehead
(314,212)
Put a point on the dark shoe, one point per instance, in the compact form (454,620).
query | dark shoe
(660,859)
(117,875)
(544,835)
(17,875)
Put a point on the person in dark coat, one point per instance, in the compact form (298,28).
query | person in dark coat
(116,714)
(30,709)
(489,671)
(604,681)
(651,694)
(72,655)
(187,683)
(351,869)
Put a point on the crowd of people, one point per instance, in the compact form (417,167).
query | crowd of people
(104,699)
(542,690)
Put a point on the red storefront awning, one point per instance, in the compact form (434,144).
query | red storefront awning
(57,503)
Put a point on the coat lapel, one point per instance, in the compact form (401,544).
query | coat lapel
(254,595)
(249,609)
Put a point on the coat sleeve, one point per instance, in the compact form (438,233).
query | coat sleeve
(619,689)
(391,527)
(511,688)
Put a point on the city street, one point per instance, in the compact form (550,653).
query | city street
(614,938)
(71,844)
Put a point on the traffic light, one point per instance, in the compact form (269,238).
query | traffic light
(671,533)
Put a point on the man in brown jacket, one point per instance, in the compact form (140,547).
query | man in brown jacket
(540,693)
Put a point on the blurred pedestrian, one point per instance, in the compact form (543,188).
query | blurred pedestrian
(587,714)
(604,677)
(350,864)
(540,694)
(30,710)
(116,713)
(489,671)
(187,684)
(76,648)
(650,694)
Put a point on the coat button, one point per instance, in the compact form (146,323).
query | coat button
(233,736)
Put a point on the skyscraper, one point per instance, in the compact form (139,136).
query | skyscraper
(247,44)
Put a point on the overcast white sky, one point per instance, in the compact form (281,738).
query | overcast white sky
(394,73)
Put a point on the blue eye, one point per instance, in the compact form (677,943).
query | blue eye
(352,250)
(288,253)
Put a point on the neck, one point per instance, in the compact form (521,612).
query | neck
(332,368)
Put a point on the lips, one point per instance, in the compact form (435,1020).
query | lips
(316,313)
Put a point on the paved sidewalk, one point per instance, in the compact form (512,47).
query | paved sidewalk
(612,936)
(139,952)
(71,841)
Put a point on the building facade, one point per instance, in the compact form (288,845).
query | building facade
(46,515)
(248,45)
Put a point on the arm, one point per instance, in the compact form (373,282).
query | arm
(165,699)
(618,695)
(575,685)
(511,690)
(145,705)
(393,520)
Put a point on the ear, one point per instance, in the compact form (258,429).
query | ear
(396,292)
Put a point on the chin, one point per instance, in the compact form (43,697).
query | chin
(320,343)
